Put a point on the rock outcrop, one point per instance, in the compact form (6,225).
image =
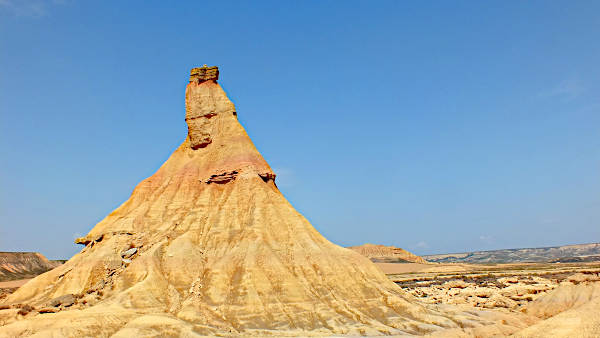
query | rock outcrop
(387,254)
(572,310)
(209,246)
(204,103)
(567,296)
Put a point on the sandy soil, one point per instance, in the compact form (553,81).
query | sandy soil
(398,268)
(401,268)
(13,283)
(525,300)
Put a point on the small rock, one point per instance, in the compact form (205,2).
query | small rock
(64,300)
(459,284)
(129,253)
(97,286)
(82,240)
(49,310)
(25,310)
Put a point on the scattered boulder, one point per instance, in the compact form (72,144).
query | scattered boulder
(82,240)
(97,286)
(129,253)
(48,310)
(458,284)
(25,310)
(64,300)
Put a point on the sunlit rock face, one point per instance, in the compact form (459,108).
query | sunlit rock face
(205,103)
(208,245)
(382,253)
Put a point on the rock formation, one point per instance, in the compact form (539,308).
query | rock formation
(208,245)
(572,310)
(578,290)
(387,254)
(19,265)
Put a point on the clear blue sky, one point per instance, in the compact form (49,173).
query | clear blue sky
(437,126)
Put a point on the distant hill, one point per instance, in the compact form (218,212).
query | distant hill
(566,253)
(21,265)
(387,254)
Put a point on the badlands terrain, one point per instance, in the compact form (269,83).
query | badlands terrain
(534,287)
(208,246)
(538,299)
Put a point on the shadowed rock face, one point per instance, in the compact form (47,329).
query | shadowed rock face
(208,245)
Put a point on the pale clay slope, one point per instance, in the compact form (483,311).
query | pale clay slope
(219,250)
(581,322)
(575,311)
(565,297)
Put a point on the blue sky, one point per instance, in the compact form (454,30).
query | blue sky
(432,126)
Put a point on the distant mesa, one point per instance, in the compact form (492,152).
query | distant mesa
(387,254)
(554,254)
(22,265)
(577,259)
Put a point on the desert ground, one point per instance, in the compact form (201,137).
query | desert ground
(8,287)
(540,297)
(510,287)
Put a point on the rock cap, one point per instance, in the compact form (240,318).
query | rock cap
(204,73)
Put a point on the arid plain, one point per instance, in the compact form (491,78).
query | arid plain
(530,296)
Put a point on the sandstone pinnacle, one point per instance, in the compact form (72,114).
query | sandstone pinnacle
(208,245)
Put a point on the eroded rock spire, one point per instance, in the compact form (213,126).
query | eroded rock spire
(204,101)
(209,246)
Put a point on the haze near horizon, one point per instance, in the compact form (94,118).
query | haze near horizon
(432,127)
